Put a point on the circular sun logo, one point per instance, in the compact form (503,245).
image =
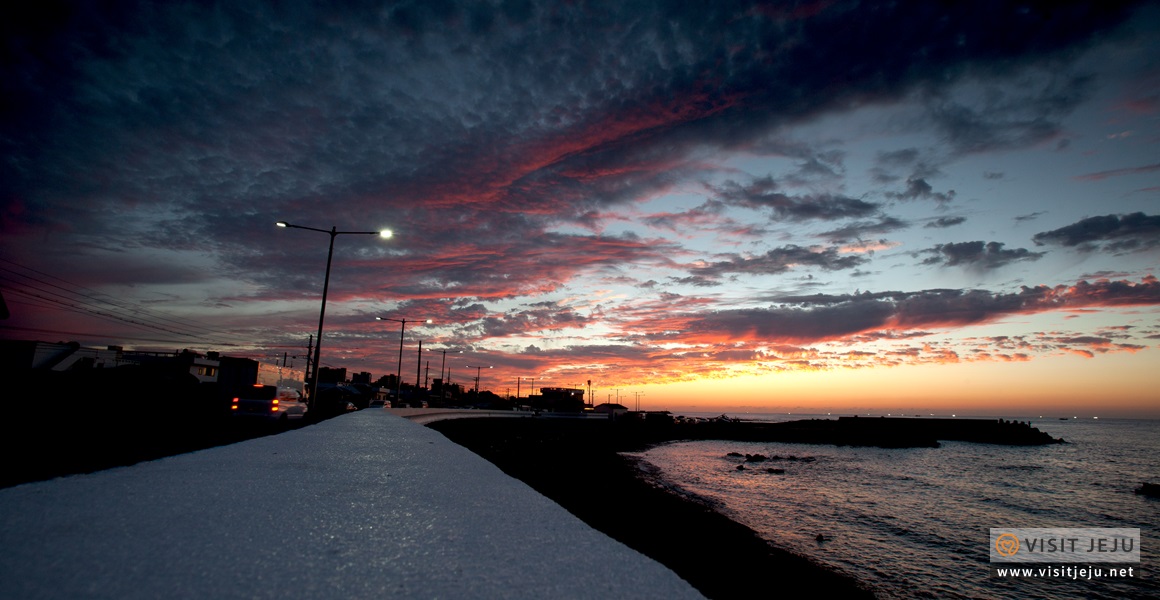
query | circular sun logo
(1007,544)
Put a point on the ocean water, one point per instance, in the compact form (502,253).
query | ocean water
(913,523)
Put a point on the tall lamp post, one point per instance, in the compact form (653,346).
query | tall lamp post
(399,372)
(442,368)
(333,232)
(477,370)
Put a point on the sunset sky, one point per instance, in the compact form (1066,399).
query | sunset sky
(809,207)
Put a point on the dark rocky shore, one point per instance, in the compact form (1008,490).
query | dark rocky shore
(575,462)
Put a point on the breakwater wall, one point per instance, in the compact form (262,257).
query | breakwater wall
(882,432)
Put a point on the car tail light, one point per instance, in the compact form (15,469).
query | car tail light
(234,405)
(274,407)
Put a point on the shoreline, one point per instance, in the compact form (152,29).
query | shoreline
(576,463)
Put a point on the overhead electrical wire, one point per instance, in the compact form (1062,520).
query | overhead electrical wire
(105,298)
(37,290)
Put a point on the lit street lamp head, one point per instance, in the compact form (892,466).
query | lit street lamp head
(333,232)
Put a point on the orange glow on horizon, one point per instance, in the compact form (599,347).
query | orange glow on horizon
(1048,385)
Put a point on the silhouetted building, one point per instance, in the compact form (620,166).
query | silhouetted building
(331,376)
(387,381)
(19,355)
(236,374)
(611,408)
(559,399)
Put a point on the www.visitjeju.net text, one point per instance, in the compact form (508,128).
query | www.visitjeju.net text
(1067,572)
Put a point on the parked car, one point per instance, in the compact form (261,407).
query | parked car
(269,402)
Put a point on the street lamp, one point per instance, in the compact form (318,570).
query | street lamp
(442,368)
(520,379)
(477,370)
(333,232)
(399,372)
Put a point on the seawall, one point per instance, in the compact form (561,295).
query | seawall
(366,505)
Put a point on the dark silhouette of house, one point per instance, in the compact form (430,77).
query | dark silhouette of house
(559,400)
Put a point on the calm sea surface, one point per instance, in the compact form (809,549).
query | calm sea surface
(914,523)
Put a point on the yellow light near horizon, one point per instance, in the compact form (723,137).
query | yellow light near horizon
(1122,382)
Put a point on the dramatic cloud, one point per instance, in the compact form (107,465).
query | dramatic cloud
(574,187)
(862,230)
(918,189)
(779,261)
(1000,119)
(988,255)
(762,194)
(944,222)
(818,318)
(1029,217)
(1116,233)
(1119,172)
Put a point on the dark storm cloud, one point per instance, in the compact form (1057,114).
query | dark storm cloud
(1030,216)
(763,194)
(1119,172)
(944,222)
(918,189)
(890,164)
(535,319)
(1009,118)
(821,317)
(707,217)
(193,127)
(862,230)
(1113,233)
(898,158)
(980,255)
(781,260)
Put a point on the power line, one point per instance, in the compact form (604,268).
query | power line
(92,334)
(46,294)
(136,309)
(67,305)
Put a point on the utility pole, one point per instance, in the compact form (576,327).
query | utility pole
(442,368)
(309,363)
(419,367)
(477,370)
